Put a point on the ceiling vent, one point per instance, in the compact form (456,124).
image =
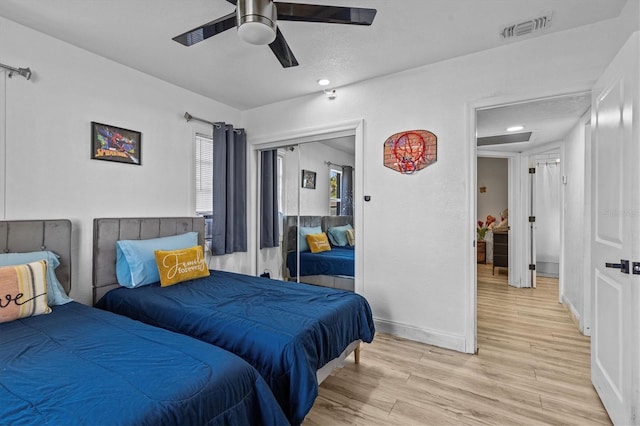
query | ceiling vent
(527,27)
(502,139)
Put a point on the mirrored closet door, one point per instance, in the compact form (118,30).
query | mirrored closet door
(317,243)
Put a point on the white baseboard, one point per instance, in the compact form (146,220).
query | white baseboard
(430,337)
(575,315)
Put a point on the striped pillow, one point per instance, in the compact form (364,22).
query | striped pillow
(351,236)
(23,291)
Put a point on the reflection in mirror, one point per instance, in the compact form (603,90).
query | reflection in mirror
(322,208)
(269,260)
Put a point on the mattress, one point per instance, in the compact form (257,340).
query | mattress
(337,261)
(81,365)
(286,330)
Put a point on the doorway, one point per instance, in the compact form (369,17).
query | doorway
(525,132)
(492,213)
(547,227)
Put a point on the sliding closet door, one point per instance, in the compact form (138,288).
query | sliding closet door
(305,196)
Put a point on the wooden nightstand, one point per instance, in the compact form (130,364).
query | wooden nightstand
(500,250)
(482,251)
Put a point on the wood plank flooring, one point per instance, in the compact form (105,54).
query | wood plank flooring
(533,367)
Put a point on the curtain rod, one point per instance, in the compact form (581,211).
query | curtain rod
(547,163)
(25,72)
(329,164)
(218,125)
(190,117)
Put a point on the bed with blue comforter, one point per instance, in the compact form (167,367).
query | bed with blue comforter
(337,261)
(284,329)
(81,365)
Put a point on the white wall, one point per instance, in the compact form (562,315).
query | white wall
(576,228)
(418,232)
(492,174)
(49,173)
(310,156)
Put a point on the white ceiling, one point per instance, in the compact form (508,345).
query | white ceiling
(548,120)
(405,34)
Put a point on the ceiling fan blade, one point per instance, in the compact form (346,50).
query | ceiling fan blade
(282,51)
(328,14)
(210,29)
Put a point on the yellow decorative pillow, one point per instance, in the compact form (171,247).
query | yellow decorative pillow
(351,237)
(23,291)
(176,266)
(318,242)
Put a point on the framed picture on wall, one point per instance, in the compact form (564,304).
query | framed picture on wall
(308,179)
(113,143)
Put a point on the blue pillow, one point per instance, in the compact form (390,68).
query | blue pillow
(338,235)
(136,263)
(302,236)
(55,292)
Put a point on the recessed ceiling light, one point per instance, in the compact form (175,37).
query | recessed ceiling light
(514,128)
(323,82)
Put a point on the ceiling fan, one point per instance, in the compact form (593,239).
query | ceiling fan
(256,22)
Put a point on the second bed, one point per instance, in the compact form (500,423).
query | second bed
(288,331)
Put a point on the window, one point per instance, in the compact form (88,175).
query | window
(335,180)
(204,182)
(204,175)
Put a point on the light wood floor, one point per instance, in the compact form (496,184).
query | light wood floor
(533,367)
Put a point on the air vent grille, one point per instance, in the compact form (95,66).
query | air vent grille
(526,27)
(501,139)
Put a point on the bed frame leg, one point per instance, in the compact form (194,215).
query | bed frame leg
(356,354)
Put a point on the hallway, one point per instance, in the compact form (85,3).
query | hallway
(530,334)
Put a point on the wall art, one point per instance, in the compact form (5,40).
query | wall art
(308,179)
(113,143)
(410,151)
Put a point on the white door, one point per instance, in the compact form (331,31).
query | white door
(615,359)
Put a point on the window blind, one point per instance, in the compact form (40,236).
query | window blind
(204,175)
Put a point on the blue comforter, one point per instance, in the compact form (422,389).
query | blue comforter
(337,261)
(286,330)
(80,365)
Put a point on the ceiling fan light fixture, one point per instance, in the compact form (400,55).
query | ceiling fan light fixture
(257,21)
(256,33)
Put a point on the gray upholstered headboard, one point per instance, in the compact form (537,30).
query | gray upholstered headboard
(330,221)
(20,236)
(106,231)
(290,230)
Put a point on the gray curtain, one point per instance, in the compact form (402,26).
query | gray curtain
(269,234)
(346,192)
(229,233)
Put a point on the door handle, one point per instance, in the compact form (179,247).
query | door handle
(623,266)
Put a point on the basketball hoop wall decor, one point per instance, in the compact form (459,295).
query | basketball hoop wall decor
(410,151)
